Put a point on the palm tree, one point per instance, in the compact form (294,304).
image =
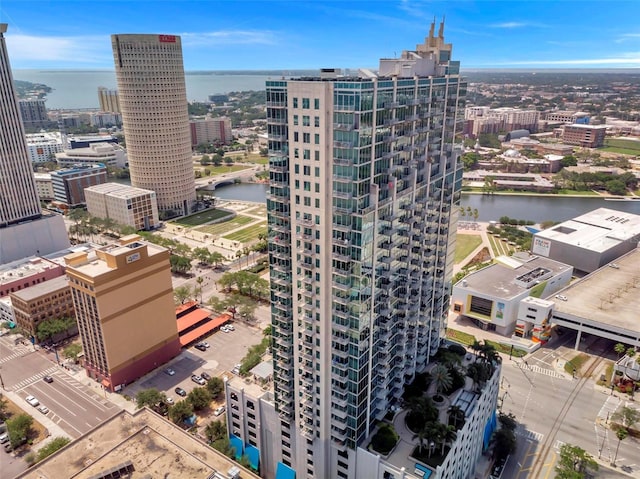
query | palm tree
(456,414)
(620,349)
(447,435)
(621,434)
(475,214)
(421,435)
(477,347)
(441,378)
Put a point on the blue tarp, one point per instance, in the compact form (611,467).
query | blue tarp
(285,472)
(253,453)
(532,230)
(237,443)
(492,422)
(427,471)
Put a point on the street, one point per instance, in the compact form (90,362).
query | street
(552,408)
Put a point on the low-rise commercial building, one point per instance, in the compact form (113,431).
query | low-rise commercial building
(105,119)
(84,141)
(126,205)
(124,303)
(107,153)
(491,297)
(44,186)
(42,302)
(69,184)
(570,117)
(27,272)
(509,181)
(586,136)
(589,241)
(42,147)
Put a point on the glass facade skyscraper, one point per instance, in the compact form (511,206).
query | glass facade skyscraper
(364,178)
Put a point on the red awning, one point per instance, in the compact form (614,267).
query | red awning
(106,383)
(191,318)
(204,329)
(185,307)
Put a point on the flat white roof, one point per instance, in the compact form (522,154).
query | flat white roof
(599,230)
(118,190)
(590,127)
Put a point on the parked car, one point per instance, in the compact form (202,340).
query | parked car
(230,327)
(205,344)
(170,372)
(236,369)
(561,297)
(47,379)
(200,347)
(180,392)
(33,401)
(169,400)
(224,329)
(4,438)
(43,409)
(205,376)
(219,411)
(197,379)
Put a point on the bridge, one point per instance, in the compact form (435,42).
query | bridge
(210,183)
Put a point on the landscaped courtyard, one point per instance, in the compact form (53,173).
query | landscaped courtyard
(226,226)
(249,234)
(202,217)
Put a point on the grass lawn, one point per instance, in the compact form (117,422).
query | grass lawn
(622,143)
(246,235)
(465,244)
(607,375)
(222,169)
(622,151)
(506,349)
(202,217)
(238,157)
(460,337)
(565,191)
(576,362)
(222,228)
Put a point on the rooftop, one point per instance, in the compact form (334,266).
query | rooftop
(24,268)
(599,230)
(119,191)
(609,295)
(41,289)
(153,445)
(512,276)
(587,127)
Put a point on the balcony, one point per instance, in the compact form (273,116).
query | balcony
(276,104)
(277,137)
(279,169)
(343,126)
(276,121)
(343,161)
(347,195)
(342,144)
(343,228)
(305,237)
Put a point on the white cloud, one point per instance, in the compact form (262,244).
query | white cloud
(229,37)
(508,25)
(83,49)
(625,59)
(627,36)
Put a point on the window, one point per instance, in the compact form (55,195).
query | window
(296,152)
(295,103)
(305,103)
(316,155)
(296,169)
(316,103)
(306,120)
(316,138)
(317,203)
(306,137)
(307,201)
(306,154)
(316,121)
(307,185)
(295,120)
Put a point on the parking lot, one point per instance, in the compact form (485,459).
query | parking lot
(225,350)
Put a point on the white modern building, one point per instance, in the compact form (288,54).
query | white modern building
(6,310)
(109,154)
(491,297)
(126,205)
(105,119)
(153,102)
(211,130)
(590,241)
(364,178)
(42,147)
(23,229)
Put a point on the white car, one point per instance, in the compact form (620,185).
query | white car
(33,401)
(44,410)
(224,329)
(169,400)
(561,297)
(219,411)
(230,327)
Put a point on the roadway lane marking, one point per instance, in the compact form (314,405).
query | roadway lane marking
(26,382)
(49,398)
(531,435)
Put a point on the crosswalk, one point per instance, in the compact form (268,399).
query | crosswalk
(20,351)
(609,407)
(537,369)
(527,434)
(36,377)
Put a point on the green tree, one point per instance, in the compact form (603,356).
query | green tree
(619,348)
(217,159)
(4,405)
(574,463)
(224,446)
(72,351)
(200,398)
(205,160)
(181,294)
(215,430)
(203,255)
(621,434)
(471,159)
(149,398)
(626,416)
(441,378)
(54,445)
(215,386)
(179,264)
(569,160)
(19,429)
(504,443)
(180,411)
(616,187)
(228,160)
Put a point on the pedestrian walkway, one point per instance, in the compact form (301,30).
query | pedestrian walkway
(609,407)
(527,434)
(20,350)
(540,370)
(36,377)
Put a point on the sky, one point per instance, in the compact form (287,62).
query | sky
(274,35)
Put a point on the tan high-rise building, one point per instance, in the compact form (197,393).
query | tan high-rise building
(123,298)
(109,100)
(153,102)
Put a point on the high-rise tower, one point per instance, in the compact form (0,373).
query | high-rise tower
(18,196)
(24,231)
(363,181)
(153,102)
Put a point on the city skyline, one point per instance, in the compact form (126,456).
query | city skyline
(275,35)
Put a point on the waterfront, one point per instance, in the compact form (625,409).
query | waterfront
(78,89)
(490,207)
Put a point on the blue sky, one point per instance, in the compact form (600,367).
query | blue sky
(230,35)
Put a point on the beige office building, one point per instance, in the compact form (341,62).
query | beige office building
(126,205)
(123,298)
(153,102)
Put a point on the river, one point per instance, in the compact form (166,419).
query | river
(490,207)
